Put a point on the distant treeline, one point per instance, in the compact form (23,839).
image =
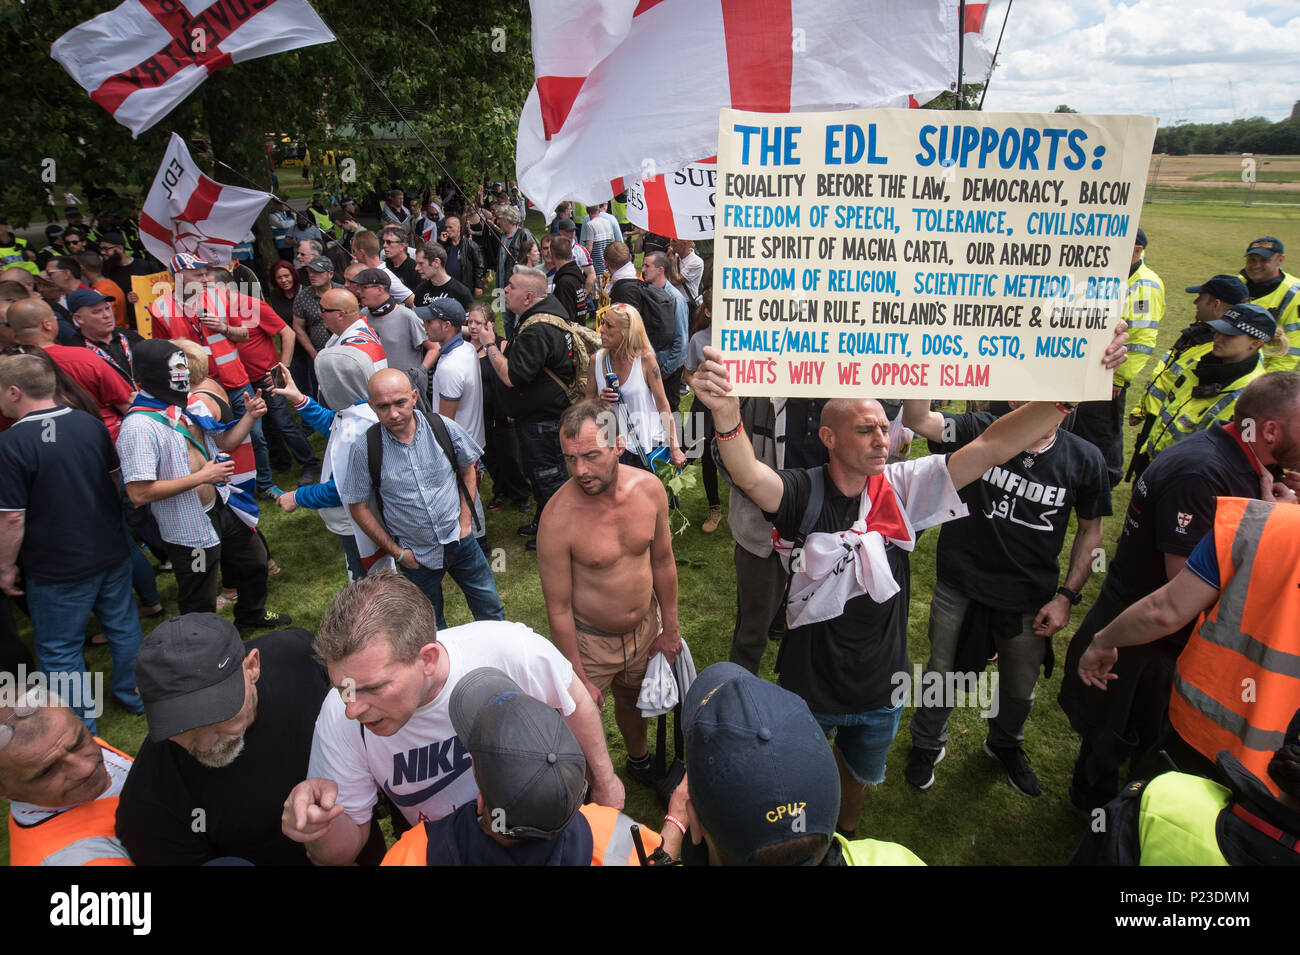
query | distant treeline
(1256,135)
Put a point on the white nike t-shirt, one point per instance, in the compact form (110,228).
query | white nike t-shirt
(424,767)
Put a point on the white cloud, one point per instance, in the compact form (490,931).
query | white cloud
(1168,58)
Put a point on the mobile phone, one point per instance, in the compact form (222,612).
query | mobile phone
(278,379)
(611,381)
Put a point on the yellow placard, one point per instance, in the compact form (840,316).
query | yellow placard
(924,253)
(148,288)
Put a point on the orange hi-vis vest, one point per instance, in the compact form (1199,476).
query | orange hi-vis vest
(82,835)
(611,837)
(173,320)
(1237,684)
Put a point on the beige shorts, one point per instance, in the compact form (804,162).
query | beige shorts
(618,658)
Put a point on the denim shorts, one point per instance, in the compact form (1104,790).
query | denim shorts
(863,739)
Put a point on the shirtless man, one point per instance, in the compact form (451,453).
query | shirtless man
(170,463)
(608,573)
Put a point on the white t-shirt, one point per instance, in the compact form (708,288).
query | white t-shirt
(424,767)
(457,378)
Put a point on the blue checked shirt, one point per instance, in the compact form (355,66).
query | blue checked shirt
(418,487)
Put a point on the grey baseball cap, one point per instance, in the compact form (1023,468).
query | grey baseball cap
(189,672)
(527,761)
(321,263)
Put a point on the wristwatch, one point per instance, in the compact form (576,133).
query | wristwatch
(1071,595)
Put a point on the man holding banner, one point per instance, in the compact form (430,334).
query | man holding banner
(846,531)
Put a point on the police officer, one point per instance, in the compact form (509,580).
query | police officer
(1207,392)
(1275,290)
(14,251)
(1213,298)
(1102,422)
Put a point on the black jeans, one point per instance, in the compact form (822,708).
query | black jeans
(241,558)
(543,462)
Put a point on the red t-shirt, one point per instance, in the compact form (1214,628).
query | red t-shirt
(259,354)
(94,374)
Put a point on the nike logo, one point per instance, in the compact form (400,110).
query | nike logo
(222,664)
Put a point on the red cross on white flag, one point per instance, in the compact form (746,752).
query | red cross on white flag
(142,58)
(187,211)
(627,90)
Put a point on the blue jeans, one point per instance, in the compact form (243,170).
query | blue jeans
(263,463)
(468,566)
(863,739)
(351,557)
(59,614)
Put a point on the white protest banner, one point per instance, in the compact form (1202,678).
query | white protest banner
(923,253)
(677,204)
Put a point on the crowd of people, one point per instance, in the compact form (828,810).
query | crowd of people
(158,428)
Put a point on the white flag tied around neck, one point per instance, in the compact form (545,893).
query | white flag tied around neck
(628,89)
(187,211)
(143,57)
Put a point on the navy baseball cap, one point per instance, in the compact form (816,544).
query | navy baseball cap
(1247,319)
(86,296)
(758,766)
(1267,246)
(1141,239)
(1226,288)
(442,310)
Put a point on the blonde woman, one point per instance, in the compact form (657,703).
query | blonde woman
(624,373)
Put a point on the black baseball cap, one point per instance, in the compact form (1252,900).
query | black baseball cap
(760,769)
(189,672)
(111,238)
(528,764)
(1226,288)
(566,225)
(1247,319)
(373,277)
(1141,239)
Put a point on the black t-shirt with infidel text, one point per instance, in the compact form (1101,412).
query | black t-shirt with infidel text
(1006,554)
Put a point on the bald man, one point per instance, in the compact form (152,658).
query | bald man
(341,313)
(425,492)
(33,322)
(845,650)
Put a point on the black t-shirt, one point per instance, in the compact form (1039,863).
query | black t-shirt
(57,465)
(241,802)
(846,664)
(426,292)
(1172,508)
(1006,554)
(406,272)
(121,275)
(535,395)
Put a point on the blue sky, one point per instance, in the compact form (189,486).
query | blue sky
(1169,58)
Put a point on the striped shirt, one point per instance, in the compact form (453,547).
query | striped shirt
(151,451)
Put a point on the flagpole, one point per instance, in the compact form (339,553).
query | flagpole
(961,46)
(993,61)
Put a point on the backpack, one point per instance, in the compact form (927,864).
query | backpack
(586,342)
(375,461)
(657,312)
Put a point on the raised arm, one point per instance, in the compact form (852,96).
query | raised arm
(759,482)
(918,416)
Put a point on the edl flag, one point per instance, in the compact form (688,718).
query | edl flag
(140,59)
(187,211)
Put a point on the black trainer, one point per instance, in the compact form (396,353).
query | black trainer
(920,766)
(644,774)
(1019,775)
(527,530)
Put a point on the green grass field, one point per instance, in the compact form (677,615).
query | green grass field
(970,815)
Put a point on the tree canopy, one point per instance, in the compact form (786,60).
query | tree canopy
(458,71)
